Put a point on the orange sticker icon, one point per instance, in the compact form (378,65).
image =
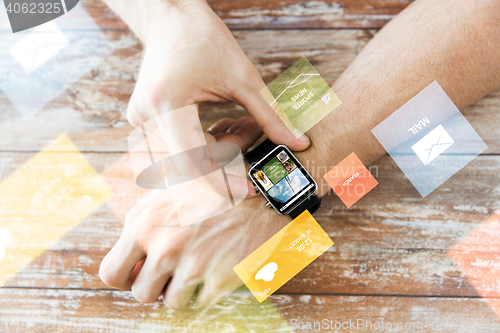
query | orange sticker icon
(351,180)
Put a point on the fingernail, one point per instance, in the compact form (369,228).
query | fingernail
(304,138)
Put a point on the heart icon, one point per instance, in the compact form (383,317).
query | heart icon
(26,14)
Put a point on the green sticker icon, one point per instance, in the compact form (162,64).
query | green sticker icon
(300,97)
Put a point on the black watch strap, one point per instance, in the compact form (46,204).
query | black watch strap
(258,153)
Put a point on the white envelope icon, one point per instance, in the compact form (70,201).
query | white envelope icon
(39,46)
(432,145)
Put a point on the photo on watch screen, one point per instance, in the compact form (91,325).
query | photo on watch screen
(284,183)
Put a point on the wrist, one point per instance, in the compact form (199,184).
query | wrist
(337,136)
(166,18)
(317,161)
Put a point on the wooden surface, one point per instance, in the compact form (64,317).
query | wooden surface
(264,14)
(397,257)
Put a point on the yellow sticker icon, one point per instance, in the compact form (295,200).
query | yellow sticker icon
(283,256)
(43,200)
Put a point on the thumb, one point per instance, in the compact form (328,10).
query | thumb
(249,97)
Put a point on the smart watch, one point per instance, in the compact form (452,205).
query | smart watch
(282,179)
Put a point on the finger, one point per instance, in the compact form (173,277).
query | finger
(221,126)
(239,123)
(134,114)
(181,129)
(245,132)
(152,278)
(240,187)
(244,136)
(144,203)
(183,285)
(137,268)
(213,291)
(249,97)
(179,297)
(117,266)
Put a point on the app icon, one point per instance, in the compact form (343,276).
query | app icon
(266,273)
(429,139)
(291,249)
(263,180)
(37,48)
(350,179)
(300,97)
(46,60)
(432,145)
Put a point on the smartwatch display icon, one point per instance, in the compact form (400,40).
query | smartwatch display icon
(282,179)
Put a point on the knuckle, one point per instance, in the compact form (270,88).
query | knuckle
(105,276)
(193,273)
(204,301)
(145,102)
(172,304)
(268,127)
(165,262)
(246,118)
(249,80)
(129,218)
(154,216)
(142,296)
(134,112)
(224,120)
(110,278)
(250,74)
(176,300)
(154,97)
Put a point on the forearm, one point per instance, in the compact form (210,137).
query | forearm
(148,17)
(455,43)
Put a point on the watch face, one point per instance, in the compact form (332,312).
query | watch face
(283,180)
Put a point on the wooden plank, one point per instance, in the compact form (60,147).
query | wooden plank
(288,14)
(92,111)
(57,310)
(262,14)
(426,314)
(392,234)
(391,242)
(397,248)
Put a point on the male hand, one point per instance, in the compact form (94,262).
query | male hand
(156,256)
(190,57)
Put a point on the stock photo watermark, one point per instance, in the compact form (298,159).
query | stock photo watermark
(383,325)
(24,14)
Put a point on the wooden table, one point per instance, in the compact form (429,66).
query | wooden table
(397,258)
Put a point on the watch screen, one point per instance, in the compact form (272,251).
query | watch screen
(282,179)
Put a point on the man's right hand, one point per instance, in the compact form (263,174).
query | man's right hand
(191,56)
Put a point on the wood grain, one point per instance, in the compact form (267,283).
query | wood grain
(391,242)
(262,14)
(288,14)
(67,310)
(92,111)
(391,258)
